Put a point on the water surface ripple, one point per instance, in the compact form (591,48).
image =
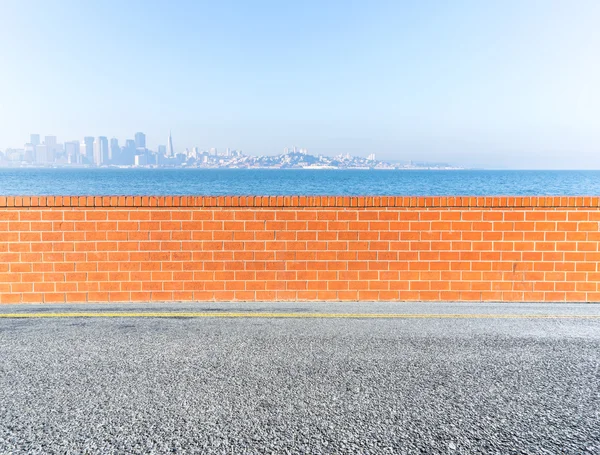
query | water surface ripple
(290,182)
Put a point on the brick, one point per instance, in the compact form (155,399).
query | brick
(342,240)
(518,236)
(577,215)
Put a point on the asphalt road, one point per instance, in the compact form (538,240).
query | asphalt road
(469,382)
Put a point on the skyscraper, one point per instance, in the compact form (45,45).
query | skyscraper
(128,152)
(34,139)
(170,152)
(97,157)
(29,155)
(140,140)
(104,150)
(72,152)
(101,151)
(50,141)
(41,154)
(51,148)
(114,150)
(87,150)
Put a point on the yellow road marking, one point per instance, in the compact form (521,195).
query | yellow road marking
(248,314)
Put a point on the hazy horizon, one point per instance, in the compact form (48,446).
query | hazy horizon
(502,85)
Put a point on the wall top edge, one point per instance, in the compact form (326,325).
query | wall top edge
(305,201)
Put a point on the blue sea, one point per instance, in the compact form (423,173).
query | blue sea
(289,182)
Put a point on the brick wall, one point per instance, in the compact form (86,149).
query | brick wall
(97,249)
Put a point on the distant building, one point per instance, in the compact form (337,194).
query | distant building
(87,150)
(14,155)
(161,155)
(140,140)
(140,160)
(371,157)
(101,151)
(51,148)
(128,153)
(104,149)
(151,158)
(170,152)
(50,141)
(114,150)
(72,152)
(34,139)
(97,157)
(29,154)
(41,154)
(143,159)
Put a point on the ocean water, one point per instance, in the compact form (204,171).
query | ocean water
(289,182)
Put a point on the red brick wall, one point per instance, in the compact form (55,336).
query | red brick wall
(97,249)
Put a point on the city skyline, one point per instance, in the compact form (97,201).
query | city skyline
(100,149)
(100,152)
(484,84)
(142,140)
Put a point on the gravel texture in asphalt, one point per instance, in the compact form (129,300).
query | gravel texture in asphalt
(206,385)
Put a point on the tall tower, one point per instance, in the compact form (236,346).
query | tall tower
(170,152)
(86,150)
(114,150)
(97,156)
(101,151)
(140,140)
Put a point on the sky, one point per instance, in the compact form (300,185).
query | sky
(495,84)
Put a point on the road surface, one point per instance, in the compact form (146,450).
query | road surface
(248,378)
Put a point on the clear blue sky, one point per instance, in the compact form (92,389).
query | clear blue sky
(506,83)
